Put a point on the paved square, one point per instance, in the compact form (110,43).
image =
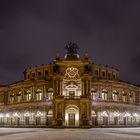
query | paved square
(69,134)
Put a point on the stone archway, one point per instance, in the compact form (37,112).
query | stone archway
(72,116)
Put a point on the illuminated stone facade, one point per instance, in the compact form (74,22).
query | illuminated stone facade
(70,92)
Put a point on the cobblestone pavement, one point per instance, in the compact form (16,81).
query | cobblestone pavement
(69,134)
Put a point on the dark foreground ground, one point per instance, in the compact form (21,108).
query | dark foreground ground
(69,134)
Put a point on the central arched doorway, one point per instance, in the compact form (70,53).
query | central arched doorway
(72,116)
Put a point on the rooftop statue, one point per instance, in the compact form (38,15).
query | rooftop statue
(72,48)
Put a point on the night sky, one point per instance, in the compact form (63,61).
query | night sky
(32,32)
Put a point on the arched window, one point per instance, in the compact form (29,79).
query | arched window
(39,94)
(115,95)
(19,96)
(93,94)
(28,95)
(104,94)
(123,96)
(131,97)
(50,94)
(12,98)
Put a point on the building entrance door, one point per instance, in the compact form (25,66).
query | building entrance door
(71,119)
(71,116)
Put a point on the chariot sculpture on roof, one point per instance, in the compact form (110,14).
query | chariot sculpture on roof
(72,48)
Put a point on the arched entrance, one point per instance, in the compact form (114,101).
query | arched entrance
(94,118)
(49,117)
(72,116)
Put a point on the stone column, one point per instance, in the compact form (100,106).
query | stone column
(83,88)
(86,86)
(54,87)
(109,93)
(58,87)
(44,91)
(99,91)
(33,93)
(61,87)
(89,87)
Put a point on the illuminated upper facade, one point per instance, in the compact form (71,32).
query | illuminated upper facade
(70,92)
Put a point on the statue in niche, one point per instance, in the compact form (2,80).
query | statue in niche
(87,68)
(56,69)
(59,119)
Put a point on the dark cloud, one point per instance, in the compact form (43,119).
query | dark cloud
(33,31)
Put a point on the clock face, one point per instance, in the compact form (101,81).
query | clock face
(72,73)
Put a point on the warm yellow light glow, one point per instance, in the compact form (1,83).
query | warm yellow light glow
(135,115)
(77,117)
(16,115)
(1,115)
(66,117)
(127,114)
(27,114)
(93,113)
(39,114)
(7,115)
(104,114)
(116,114)
(72,109)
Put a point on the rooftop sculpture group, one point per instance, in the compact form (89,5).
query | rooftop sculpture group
(72,48)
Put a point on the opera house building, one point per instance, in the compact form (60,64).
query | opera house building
(71,91)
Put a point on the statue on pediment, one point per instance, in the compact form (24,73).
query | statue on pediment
(72,48)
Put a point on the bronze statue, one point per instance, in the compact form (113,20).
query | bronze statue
(72,48)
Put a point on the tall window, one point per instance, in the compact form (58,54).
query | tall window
(12,98)
(93,94)
(19,97)
(114,76)
(104,94)
(115,95)
(39,95)
(46,72)
(33,74)
(28,76)
(109,75)
(39,73)
(28,95)
(123,96)
(96,72)
(103,73)
(50,94)
(131,98)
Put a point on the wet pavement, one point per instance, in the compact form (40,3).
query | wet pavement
(70,134)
